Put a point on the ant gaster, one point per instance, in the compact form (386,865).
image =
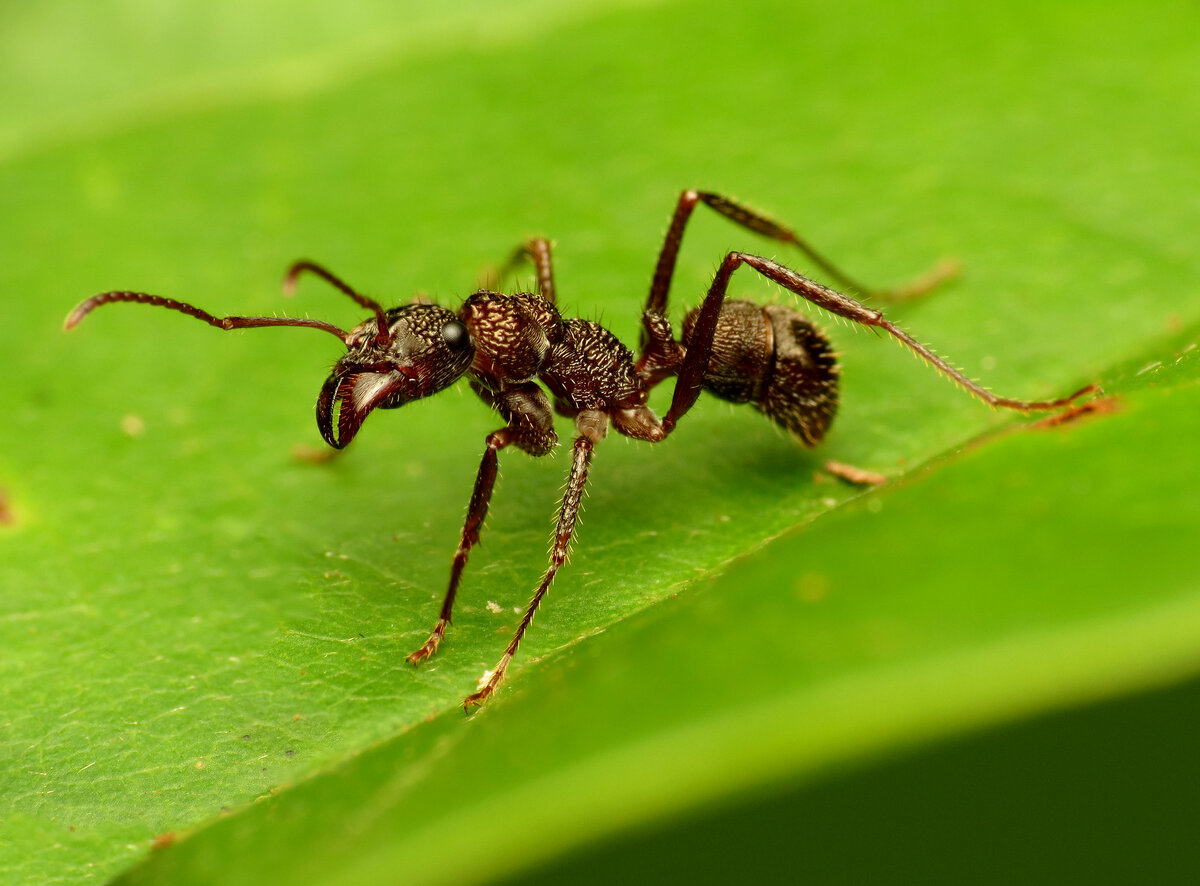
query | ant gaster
(771,357)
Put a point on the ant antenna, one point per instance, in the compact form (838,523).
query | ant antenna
(88,305)
(289,287)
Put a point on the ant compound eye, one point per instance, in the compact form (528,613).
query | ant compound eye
(455,335)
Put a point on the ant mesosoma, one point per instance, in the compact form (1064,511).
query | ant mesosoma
(769,356)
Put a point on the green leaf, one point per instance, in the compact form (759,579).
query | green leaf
(193,619)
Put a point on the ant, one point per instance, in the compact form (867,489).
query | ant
(771,357)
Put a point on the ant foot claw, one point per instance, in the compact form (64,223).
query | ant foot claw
(430,647)
(476,699)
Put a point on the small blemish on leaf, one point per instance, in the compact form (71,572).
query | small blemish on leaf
(812,587)
(133,425)
(163,840)
(7,517)
(312,455)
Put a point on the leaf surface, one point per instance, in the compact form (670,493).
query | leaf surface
(193,619)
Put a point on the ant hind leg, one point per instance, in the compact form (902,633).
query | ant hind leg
(691,374)
(765,226)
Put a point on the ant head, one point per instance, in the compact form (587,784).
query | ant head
(395,357)
(421,349)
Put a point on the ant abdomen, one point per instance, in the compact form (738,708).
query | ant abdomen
(773,357)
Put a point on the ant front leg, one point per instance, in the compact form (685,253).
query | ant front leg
(691,375)
(592,426)
(537,251)
(531,428)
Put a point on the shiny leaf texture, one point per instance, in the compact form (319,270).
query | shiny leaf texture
(192,619)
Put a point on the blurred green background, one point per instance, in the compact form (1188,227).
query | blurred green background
(746,667)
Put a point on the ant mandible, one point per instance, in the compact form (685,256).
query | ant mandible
(769,356)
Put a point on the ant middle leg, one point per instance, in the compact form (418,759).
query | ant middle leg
(531,428)
(695,362)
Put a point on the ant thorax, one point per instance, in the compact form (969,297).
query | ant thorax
(523,337)
(591,369)
(512,335)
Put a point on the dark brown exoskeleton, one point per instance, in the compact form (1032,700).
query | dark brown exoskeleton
(510,346)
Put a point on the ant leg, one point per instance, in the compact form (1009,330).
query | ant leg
(661,356)
(691,376)
(592,425)
(530,427)
(767,227)
(536,250)
(485,480)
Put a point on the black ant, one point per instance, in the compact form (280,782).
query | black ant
(769,356)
